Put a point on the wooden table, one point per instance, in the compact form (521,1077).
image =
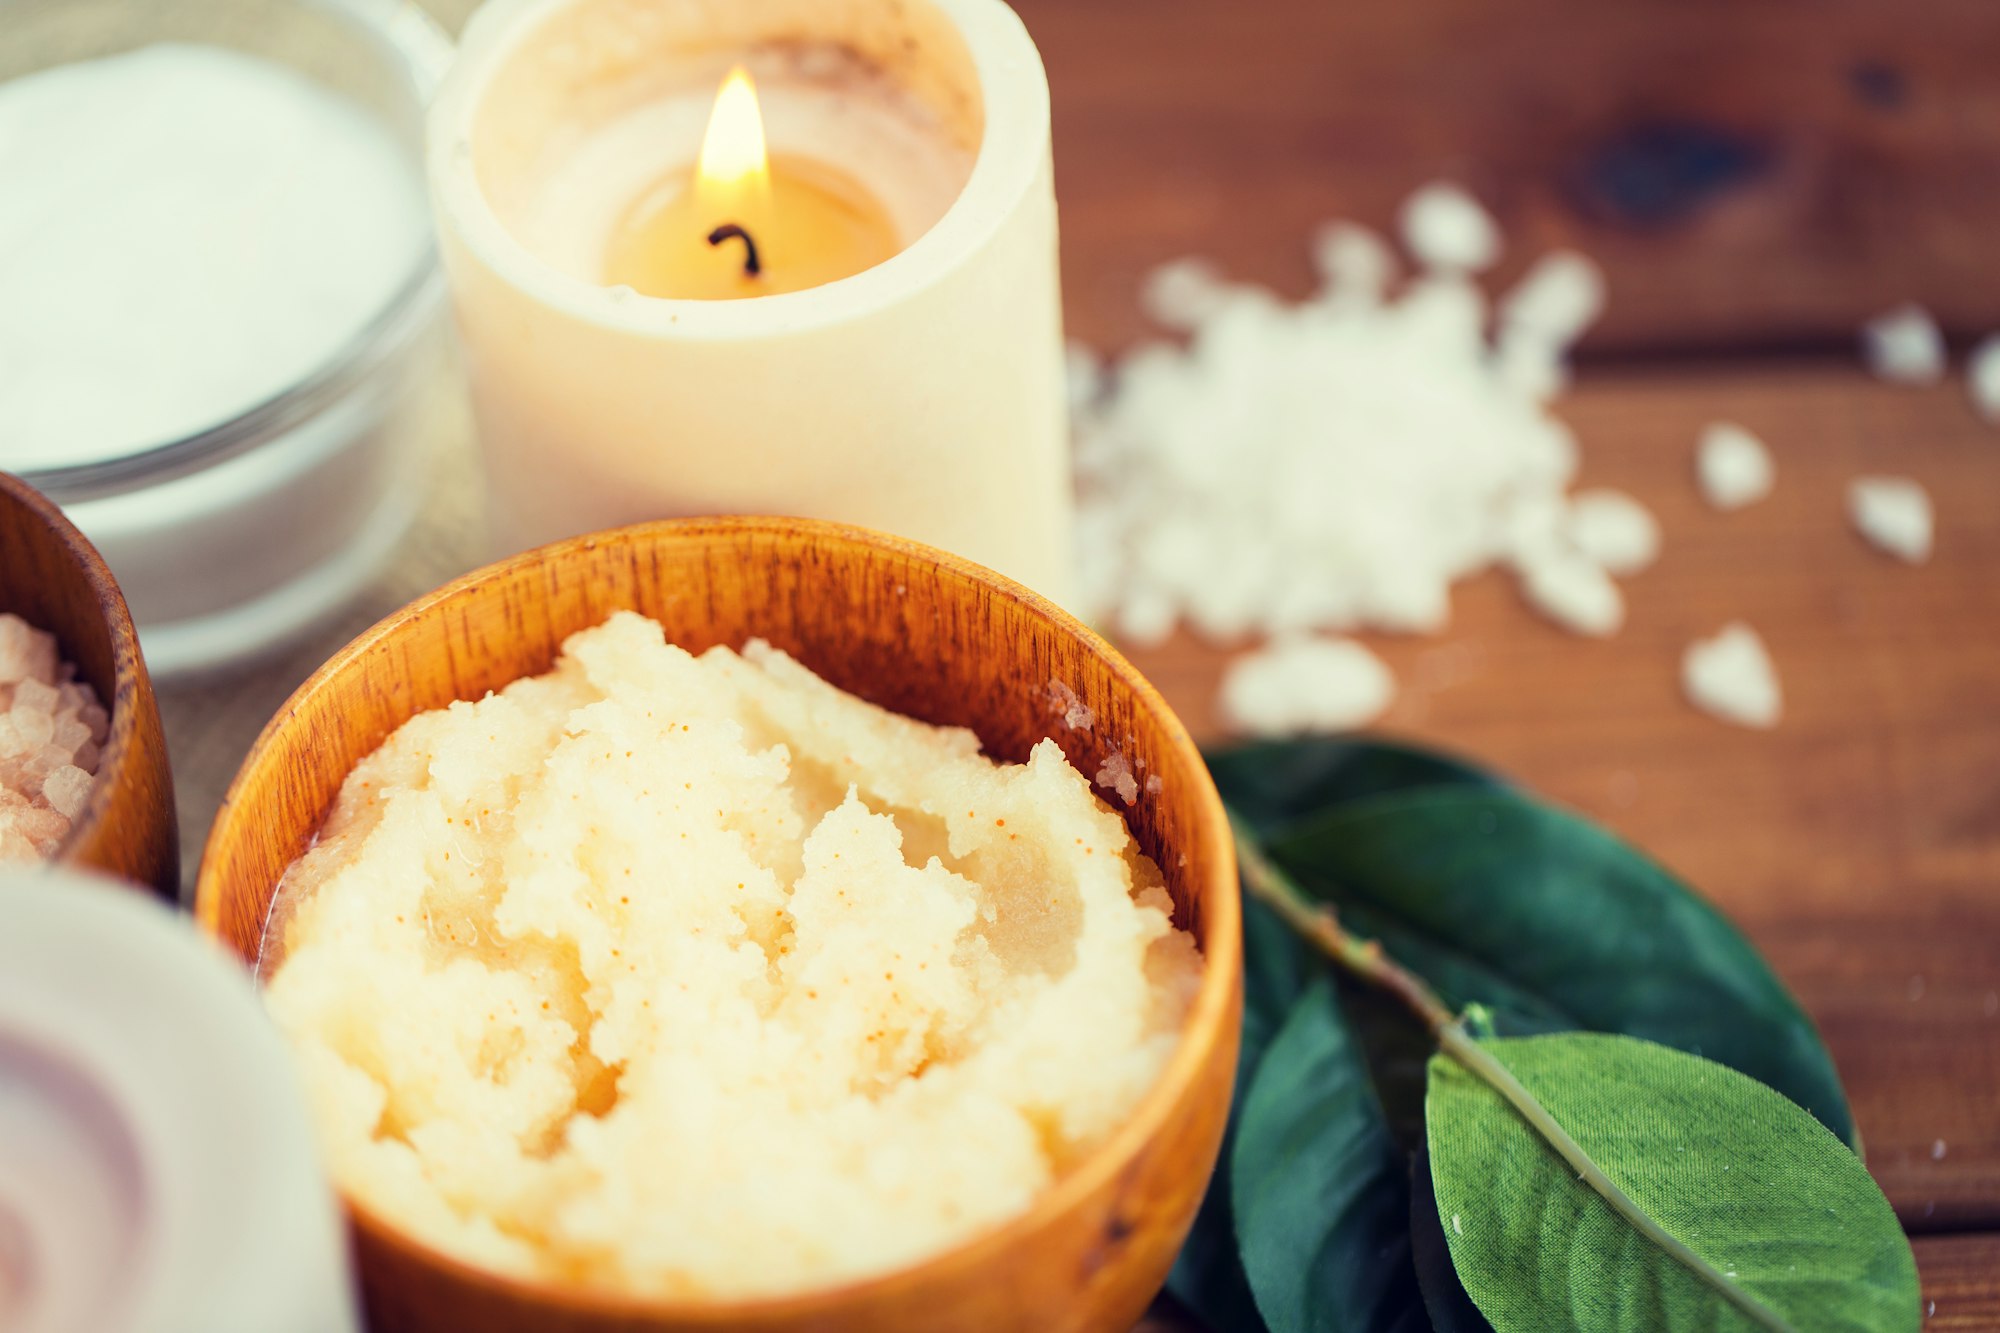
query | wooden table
(1758,179)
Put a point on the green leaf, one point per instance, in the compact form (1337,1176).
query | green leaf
(1497,899)
(1273,784)
(1318,1189)
(1782,1226)
(1208,1276)
(1451,1309)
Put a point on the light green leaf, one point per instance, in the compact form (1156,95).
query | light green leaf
(1319,1192)
(1782,1225)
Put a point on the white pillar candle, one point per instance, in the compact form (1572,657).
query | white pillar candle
(922,395)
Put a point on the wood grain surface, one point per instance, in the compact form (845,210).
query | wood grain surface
(943,641)
(55,580)
(1753,174)
(1859,843)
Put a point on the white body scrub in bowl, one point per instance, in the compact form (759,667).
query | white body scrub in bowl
(699,977)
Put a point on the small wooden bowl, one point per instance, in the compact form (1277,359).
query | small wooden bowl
(912,629)
(54,579)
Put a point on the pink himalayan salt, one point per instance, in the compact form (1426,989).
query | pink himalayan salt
(52,729)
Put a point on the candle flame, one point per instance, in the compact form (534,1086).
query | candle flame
(734,172)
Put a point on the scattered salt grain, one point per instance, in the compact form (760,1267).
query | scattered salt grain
(1305,685)
(1613,530)
(1982,378)
(1731,677)
(65,789)
(1572,590)
(1894,514)
(1937,1150)
(1560,297)
(50,729)
(1115,775)
(1074,712)
(1904,346)
(1446,229)
(1733,466)
(1355,263)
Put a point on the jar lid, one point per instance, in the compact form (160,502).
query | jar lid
(157,1169)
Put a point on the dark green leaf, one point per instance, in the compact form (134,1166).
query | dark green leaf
(1451,1310)
(1208,1275)
(1320,1194)
(1786,1228)
(1496,899)
(1273,784)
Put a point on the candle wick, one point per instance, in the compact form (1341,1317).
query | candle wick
(729,231)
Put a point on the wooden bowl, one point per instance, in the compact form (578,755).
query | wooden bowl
(54,579)
(912,629)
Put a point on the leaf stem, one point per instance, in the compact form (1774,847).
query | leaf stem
(1321,925)
(1365,958)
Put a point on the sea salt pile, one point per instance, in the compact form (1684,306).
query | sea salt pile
(50,728)
(1339,463)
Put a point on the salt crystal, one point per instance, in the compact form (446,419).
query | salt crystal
(1613,530)
(1573,591)
(1355,263)
(1075,714)
(1731,677)
(69,733)
(1982,378)
(1937,1150)
(1561,296)
(26,653)
(1115,775)
(1733,466)
(1893,513)
(47,760)
(1305,685)
(15,845)
(36,697)
(1446,229)
(16,640)
(1184,293)
(50,734)
(36,728)
(1904,346)
(66,788)
(42,826)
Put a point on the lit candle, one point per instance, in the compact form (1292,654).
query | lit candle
(744,225)
(831,292)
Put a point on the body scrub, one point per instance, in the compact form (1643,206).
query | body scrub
(700,978)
